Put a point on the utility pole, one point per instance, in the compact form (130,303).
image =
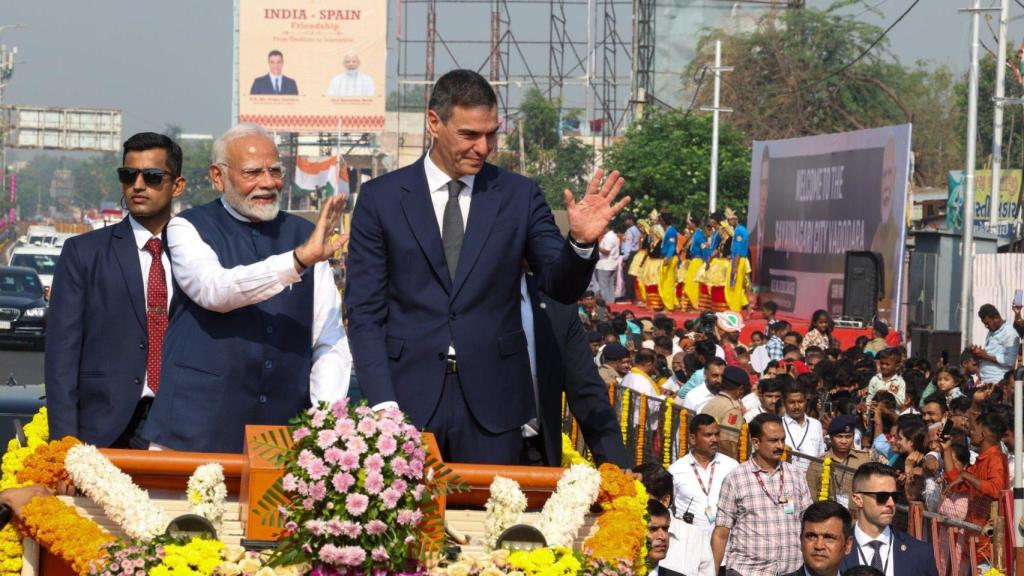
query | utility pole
(716,109)
(6,71)
(997,121)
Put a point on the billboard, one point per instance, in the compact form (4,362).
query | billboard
(1009,193)
(814,199)
(64,128)
(312,66)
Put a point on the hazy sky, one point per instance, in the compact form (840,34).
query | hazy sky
(170,62)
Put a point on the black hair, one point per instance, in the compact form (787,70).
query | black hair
(869,469)
(714,361)
(813,350)
(887,398)
(987,311)
(665,324)
(960,405)
(645,356)
(994,422)
(793,387)
(780,326)
(770,306)
(275,53)
(767,385)
(464,88)
(150,140)
(827,510)
(663,342)
(666,218)
(790,348)
(699,420)
(655,479)
(886,353)
(818,314)
(961,452)
(937,398)
(915,430)
(656,509)
(756,426)
(757,333)
(705,348)
(794,334)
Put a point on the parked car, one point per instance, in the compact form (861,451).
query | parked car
(42,259)
(23,307)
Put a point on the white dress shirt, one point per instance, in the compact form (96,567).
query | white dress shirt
(526,312)
(351,84)
(697,398)
(275,83)
(865,552)
(807,439)
(609,243)
(201,277)
(145,261)
(690,552)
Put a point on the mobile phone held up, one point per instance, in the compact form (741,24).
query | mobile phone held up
(1018,298)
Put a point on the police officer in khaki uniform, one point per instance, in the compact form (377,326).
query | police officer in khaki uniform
(845,461)
(616,364)
(727,409)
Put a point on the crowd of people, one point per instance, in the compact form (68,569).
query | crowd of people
(863,427)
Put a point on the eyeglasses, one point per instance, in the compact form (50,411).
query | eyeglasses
(253,174)
(882,497)
(151,176)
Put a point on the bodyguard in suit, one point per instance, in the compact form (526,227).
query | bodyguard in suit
(274,83)
(255,331)
(108,306)
(433,278)
(826,536)
(876,542)
(563,363)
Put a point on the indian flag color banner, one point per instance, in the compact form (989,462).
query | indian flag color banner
(321,174)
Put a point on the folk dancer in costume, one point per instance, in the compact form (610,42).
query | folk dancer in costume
(717,275)
(669,263)
(646,265)
(739,264)
(695,267)
(683,266)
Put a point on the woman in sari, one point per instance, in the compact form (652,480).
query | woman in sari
(694,268)
(669,263)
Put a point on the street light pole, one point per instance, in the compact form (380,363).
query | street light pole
(715,110)
(997,121)
(972,137)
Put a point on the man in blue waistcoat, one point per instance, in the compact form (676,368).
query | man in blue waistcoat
(255,332)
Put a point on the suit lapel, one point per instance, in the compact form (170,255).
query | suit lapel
(419,213)
(482,212)
(126,252)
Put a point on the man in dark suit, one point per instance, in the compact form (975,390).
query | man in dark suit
(876,542)
(434,275)
(274,83)
(108,306)
(826,536)
(564,364)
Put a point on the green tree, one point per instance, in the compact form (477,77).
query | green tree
(412,99)
(665,158)
(1012,115)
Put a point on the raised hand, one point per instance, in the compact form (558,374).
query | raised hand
(324,241)
(589,218)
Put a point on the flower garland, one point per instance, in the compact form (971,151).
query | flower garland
(641,435)
(682,434)
(565,511)
(624,417)
(785,453)
(67,535)
(826,478)
(504,508)
(207,493)
(744,441)
(113,490)
(622,528)
(666,450)
(45,465)
(37,432)
(570,457)
(575,431)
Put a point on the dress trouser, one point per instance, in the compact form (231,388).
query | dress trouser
(629,281)
(460,436)
(130,437)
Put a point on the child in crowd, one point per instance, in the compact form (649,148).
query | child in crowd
(911,446)
(757,339)
(888,377)
(949,381)
(768,310)
(969,369)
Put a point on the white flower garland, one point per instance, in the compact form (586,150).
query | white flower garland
(565,511)
(207,493)
(504,507)
(113,490)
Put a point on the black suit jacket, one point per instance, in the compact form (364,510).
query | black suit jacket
(96,336)
(910,557)
(263,86)
(798,572)
(566,364)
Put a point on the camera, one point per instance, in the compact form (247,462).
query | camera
(707,322)
(688,517)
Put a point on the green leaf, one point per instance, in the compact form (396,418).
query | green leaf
(267,505)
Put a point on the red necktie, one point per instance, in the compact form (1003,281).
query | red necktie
(156,314)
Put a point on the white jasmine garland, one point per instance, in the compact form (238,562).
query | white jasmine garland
(113,490)
(207,493)
(565,511)
(504,507)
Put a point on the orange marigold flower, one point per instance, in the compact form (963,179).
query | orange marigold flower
(67,535)
(45,466)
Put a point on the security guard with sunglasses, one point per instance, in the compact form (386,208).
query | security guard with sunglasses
(108,306)
(875,542)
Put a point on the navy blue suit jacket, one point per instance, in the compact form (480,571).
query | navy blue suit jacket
(910,557)
(96,336)
(566,364)
(404,310)
(263,85)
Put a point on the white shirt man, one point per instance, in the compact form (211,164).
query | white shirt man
(607,265)
(351,84)
(698,398)
(806,438)
(145,261)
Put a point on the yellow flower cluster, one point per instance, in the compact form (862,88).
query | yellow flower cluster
(622,527)
(570,457)
(37,433)
(826,479)
(744,442)
(666,450)
(545,562)
(624,416)
(683,432)
(197,558)
(641,436)
(993,572)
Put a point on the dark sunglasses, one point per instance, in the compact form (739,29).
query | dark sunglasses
(151,176)
(882,497)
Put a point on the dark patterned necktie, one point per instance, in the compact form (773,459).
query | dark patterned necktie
(156,314)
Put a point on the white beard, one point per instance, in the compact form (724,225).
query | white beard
(246,207)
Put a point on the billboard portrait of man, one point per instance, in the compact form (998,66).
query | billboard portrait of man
(274,83)
(351,83)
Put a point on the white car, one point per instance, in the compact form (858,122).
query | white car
(42,259)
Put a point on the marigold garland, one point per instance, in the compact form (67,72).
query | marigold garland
(59,528)
(45,466)
(575,431)
(683,431)
(666,451)
(622,528)
(640,435)
(570,456)
(744,441)
(624,417)
(37,432)
(826,478)
(611,394)
(785,454)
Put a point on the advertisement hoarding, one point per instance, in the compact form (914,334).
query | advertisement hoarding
(1009,193)
(312,66)
(814,199)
